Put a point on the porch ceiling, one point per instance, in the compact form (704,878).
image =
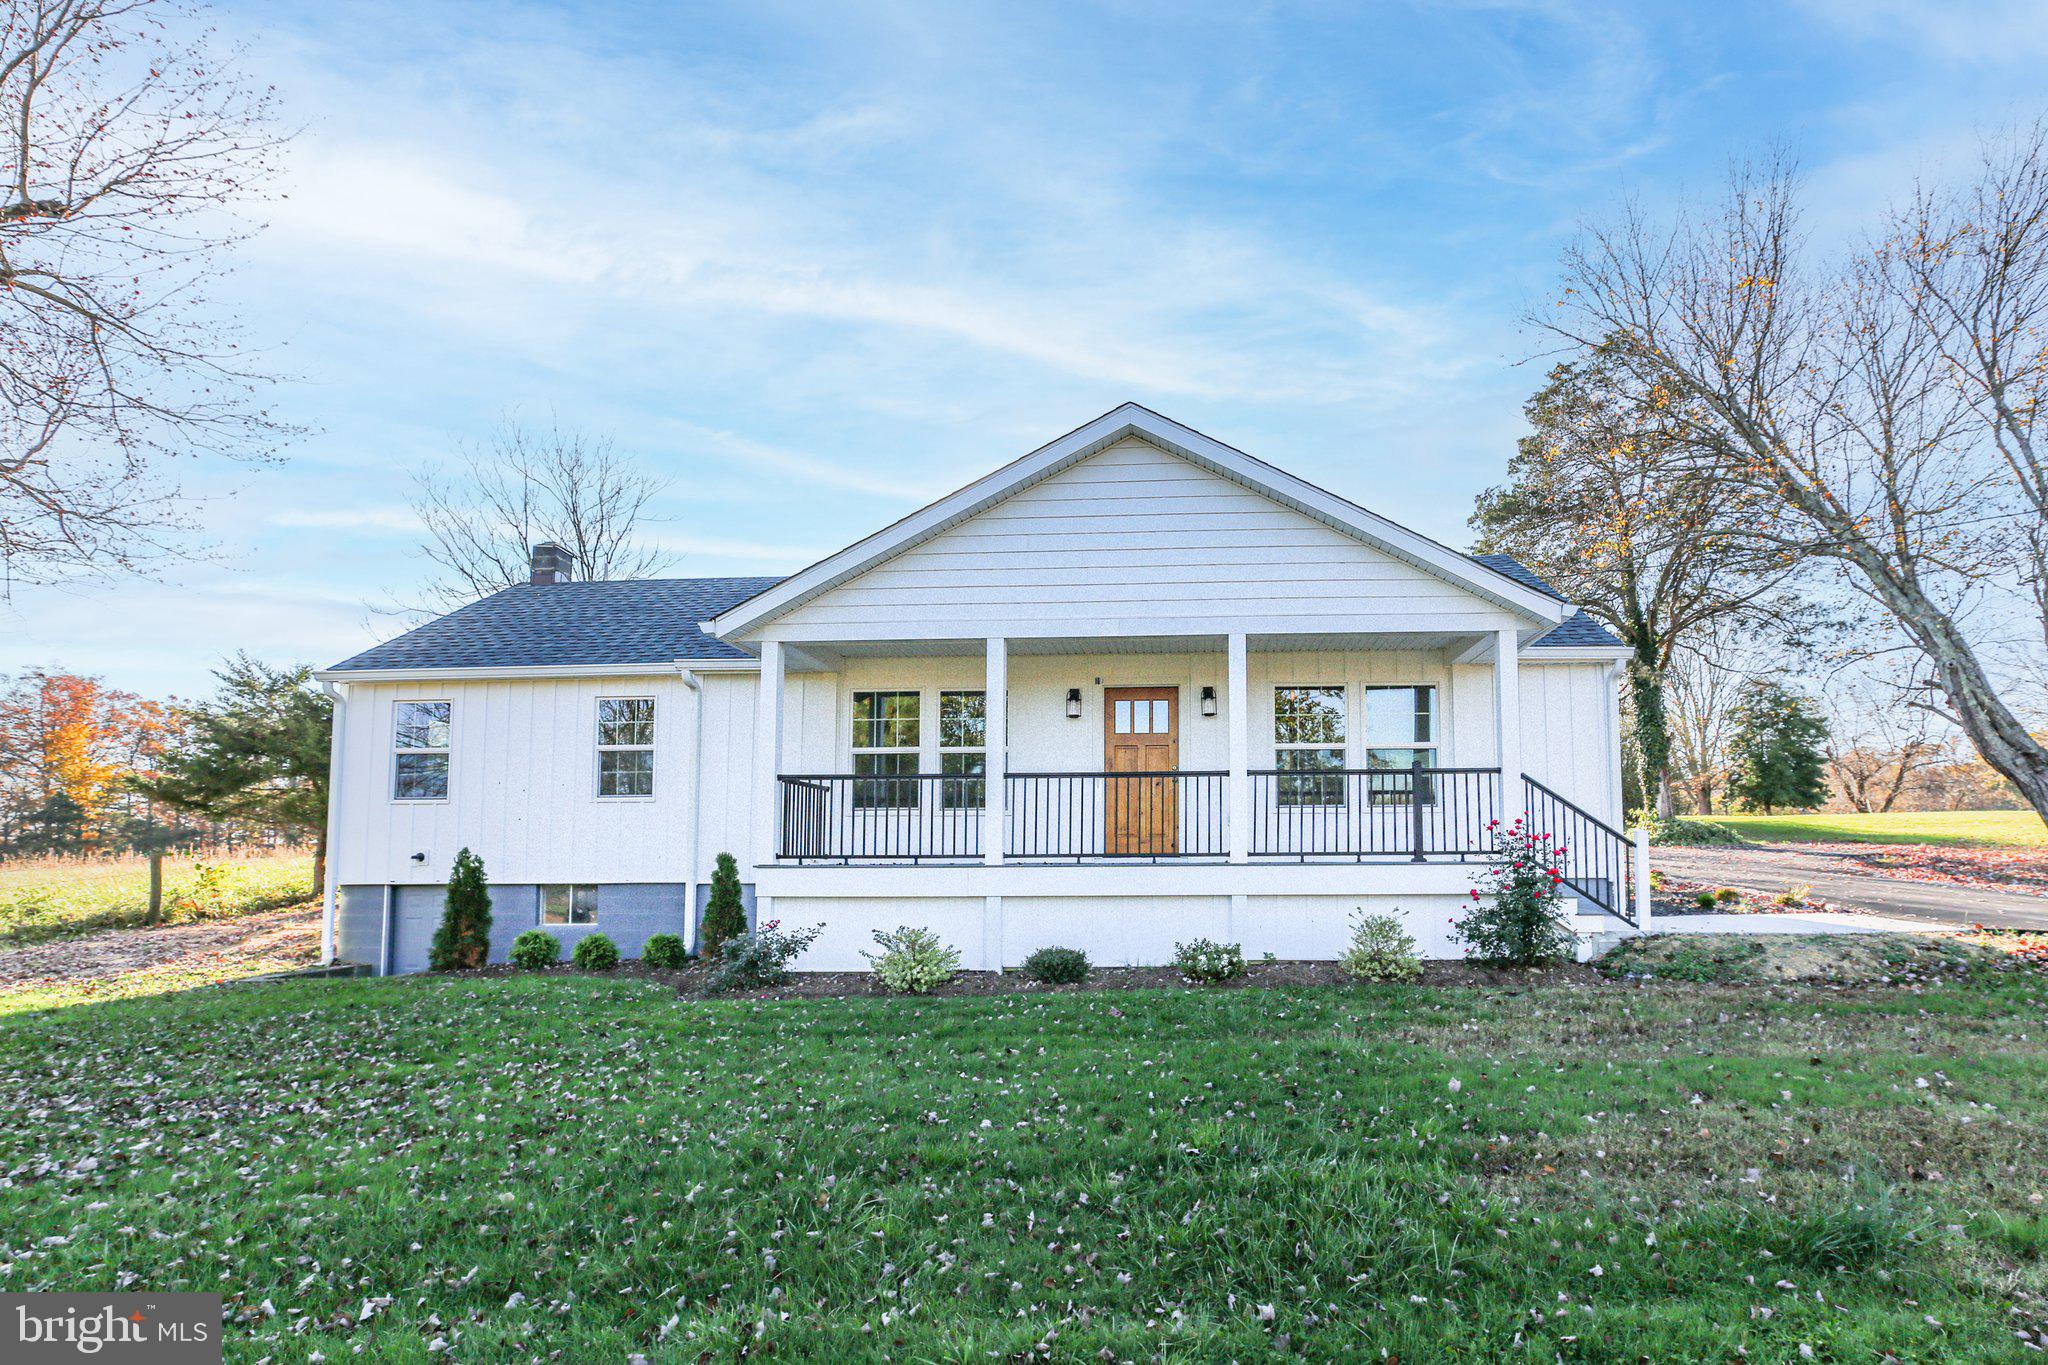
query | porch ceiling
(827,654)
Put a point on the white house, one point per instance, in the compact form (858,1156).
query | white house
(1236,706)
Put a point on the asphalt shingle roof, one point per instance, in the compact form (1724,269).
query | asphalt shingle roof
(654,621)
(631,621)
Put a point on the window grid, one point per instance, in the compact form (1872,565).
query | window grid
(1309,726)
(625,747)
(887,730)
(420,750)
(963,750)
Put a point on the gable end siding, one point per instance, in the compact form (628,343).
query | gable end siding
(1136,533)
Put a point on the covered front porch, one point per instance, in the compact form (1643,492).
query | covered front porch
(1233,748)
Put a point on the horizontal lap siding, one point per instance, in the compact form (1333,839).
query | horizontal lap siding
(1136,533)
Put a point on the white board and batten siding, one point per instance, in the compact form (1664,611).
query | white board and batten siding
(522,786)
(1134,541)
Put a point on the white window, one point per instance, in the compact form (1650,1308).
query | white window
(886,734)
(1400,737)
(1308,745)
(419,745)
(568,905)
(963,749)
(625,746)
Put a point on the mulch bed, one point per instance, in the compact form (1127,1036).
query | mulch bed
(692,980)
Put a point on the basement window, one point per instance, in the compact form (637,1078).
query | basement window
(568,905)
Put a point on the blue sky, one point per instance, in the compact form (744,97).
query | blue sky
(818,264)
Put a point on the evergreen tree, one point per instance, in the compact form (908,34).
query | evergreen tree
(725,914)
(1778,750)
(256,753)
(464,938)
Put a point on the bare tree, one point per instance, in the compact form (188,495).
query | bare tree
(1877,739)
(1603,501)
(525,485)
(1881,411)
(124,149)
(1709,675)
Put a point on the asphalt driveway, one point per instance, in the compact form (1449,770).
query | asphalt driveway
(1837,879)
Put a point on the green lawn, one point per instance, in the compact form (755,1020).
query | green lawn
(583,1169)
(1980,828)
(46,899)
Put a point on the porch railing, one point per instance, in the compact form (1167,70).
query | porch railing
(1594,856)
(1416,813)
(845,818)
(1057,817)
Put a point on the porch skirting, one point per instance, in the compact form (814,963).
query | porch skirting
(996,916)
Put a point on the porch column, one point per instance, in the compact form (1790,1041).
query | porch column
(996,749)
(1507,700)
(768,753)
(1238,707)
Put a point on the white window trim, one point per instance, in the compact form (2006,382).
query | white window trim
(540,908)
(599,748)
(1433,746)
(391,733)
(1342,746)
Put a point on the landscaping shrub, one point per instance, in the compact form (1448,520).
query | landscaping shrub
(1380,950)
(596,953)
(1206,963)
(1705,900)
(535,949)
(725,913)
(1057,966)
(1727,895)
(753,961)
(1513,919)
(464,939)
(913,961)
(1689,833)
(665,951)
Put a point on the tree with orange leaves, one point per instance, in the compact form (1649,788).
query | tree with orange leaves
(69,744)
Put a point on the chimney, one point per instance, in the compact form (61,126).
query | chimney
(551,563)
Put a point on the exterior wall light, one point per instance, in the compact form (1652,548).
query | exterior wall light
(1073,703)
(1208,701)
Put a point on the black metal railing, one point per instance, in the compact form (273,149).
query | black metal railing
(1363,813)
(1592,854)
(1145,817)
(845,818)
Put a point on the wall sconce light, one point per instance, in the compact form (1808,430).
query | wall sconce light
(1073,703)
(1208,701)
(419,857)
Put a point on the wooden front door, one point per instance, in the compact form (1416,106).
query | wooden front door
(1140,734)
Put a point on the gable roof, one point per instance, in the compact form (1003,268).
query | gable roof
(1131,419)
(573,625)
(653,621)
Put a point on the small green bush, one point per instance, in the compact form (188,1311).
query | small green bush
(1380,950)
(1706,900)
(1727,895)
(1057,966)
(1205,963)
(913,961)
(753,961)
(665,951)
(536,949)
(595,954)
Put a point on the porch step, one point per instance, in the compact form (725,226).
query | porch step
(1599,944)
